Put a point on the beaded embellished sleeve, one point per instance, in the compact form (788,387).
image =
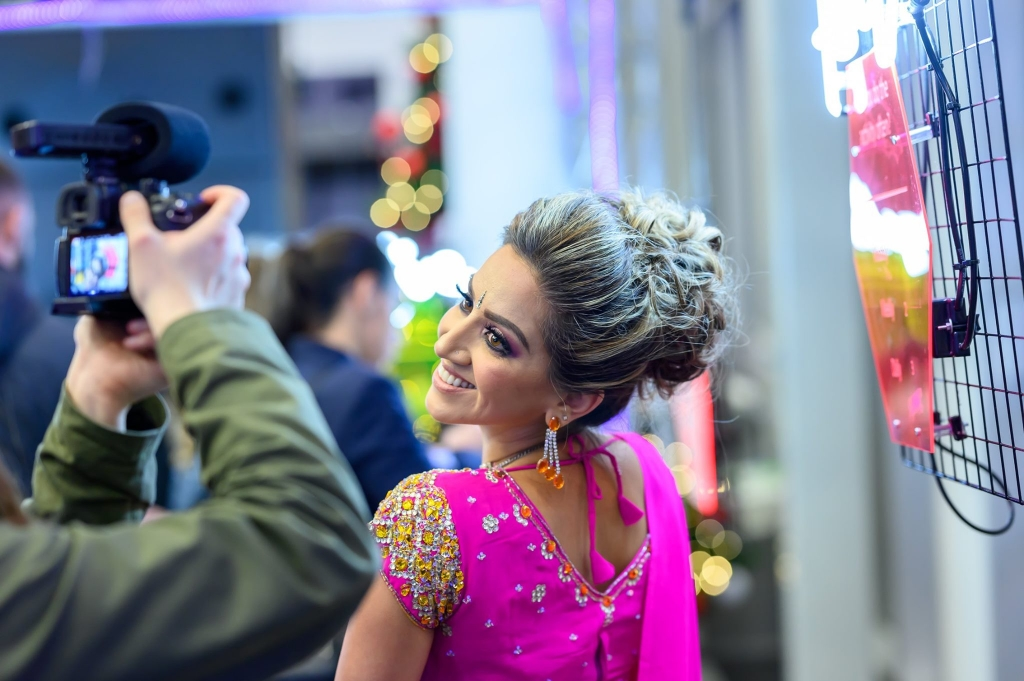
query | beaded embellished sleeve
(422,563)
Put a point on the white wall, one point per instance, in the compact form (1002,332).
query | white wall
(356,45)
(503,138)
(819,355)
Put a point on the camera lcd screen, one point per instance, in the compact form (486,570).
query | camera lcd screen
(99,264)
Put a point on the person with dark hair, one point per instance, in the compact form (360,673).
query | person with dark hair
(566,555)
(245,585)
(332,298)
(35,348)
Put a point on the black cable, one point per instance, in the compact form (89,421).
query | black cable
(952,507)
(952,107)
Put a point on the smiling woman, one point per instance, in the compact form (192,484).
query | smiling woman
(497,573)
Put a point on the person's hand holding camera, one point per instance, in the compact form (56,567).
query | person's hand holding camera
(113,368)
(172,275)
(177,273)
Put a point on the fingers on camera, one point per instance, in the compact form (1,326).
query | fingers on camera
(229,205)
(136,217)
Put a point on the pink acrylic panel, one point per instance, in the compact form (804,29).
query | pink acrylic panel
(891,249)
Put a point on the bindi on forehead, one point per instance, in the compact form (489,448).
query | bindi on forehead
(481,300)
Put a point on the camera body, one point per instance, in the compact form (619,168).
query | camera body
(142,147)
(91,255)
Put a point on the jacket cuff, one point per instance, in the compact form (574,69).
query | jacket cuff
(90,473)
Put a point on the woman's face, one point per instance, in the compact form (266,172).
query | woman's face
(491,343)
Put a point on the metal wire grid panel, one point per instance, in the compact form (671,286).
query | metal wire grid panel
(984,388)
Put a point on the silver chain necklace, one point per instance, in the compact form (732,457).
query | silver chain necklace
(515,457)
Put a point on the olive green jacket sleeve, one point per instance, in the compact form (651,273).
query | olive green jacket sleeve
(250,582)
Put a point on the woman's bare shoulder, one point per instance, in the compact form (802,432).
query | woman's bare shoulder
(624,453)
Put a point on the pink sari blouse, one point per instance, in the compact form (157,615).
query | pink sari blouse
(469,556)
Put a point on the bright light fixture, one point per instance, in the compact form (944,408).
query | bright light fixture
(838,38)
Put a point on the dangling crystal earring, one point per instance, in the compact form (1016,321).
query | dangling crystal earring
(550,465)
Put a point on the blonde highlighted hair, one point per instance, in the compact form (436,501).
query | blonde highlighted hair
(639,295)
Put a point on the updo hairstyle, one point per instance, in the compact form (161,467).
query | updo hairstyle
(638,293)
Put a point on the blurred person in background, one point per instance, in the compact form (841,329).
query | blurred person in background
(35,348)
(330,303)
(566,556)
(248,583)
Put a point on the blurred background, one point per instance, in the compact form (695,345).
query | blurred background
(428,125)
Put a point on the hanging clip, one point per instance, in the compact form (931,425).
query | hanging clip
(955,427)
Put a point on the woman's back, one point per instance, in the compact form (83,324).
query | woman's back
(502,578)
(593,488)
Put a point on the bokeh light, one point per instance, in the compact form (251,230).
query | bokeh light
(419,137)
(441,45)
(731,545)
(429,197)
(384,213)
(395,170)
(401,250)
(402,315)
(420,60)
(697,559)
(431,53)
(685,478)
(678,453)
(413,218)
(402,194)
(715,575)
(415,157)
(425,427)
(417,118)
(447,269)
(431,107)
(710,533)
(436,178)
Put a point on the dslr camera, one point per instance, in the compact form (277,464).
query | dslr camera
(136,146)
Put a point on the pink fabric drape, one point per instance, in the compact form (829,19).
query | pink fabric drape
(670,642)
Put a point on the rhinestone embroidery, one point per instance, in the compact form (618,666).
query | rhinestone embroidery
(503,515)
(490,524)
(531,547)
(519,588)
(539,592)
(573,637)
(565,572)
(488,624)
(522,514)
(517,651)
(608,606)
(414,529)
(471,500)
(481,555)
(584,594)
